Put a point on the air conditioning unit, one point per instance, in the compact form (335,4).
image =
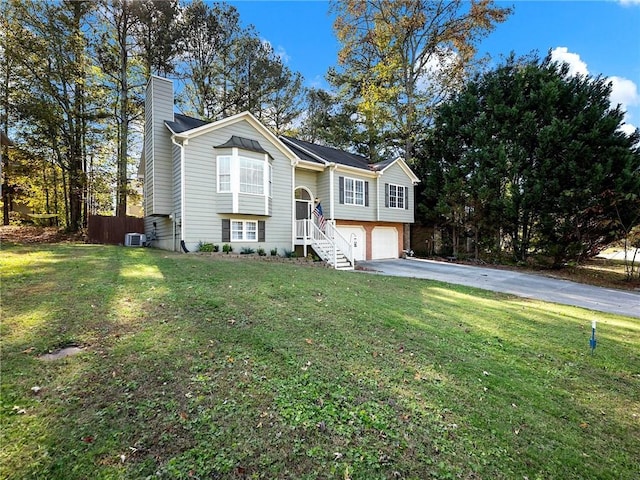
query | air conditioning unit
(135,239)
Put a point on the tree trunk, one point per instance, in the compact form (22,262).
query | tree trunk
(6,198)
(121,205)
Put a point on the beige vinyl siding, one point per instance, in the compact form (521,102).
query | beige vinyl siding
(205,208)
(200,191)
(324,193)
(177,175)
(224,203)
(308,179)
(164,232)
(397,176)
(355,212)
(158,109)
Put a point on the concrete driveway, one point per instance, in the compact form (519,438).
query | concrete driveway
(522,284)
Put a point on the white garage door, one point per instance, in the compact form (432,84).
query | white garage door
(356,234)
(384,243)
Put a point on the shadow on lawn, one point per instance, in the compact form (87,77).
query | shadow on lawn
(86,295)
(204,368)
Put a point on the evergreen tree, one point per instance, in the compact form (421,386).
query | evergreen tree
(536,156)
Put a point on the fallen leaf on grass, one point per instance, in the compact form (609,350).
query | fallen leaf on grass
(29,350)
(309,341)
(87,439)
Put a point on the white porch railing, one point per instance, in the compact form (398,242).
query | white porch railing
(330,244)
(340,243)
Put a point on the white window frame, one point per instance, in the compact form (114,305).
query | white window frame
(354,191)
(251,175)
(244,230)
(224,161)
(246,175)
(396,199)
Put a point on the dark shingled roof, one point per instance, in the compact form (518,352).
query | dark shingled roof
(182,123)
(301,154)
(243,143)
(329,154)
(306,151)
(381,165)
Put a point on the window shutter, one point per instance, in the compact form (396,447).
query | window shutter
(341,188)
(406,198)
(226,230)
(386,195)
(366,194)
(261,235)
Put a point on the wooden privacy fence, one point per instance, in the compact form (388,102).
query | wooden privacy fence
(112,230)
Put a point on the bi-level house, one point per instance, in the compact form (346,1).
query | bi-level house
(234,182)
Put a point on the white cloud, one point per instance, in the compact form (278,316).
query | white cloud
(629,2)
(576,65)
(627,128)
(623,90)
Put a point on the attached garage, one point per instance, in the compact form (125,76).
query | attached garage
(384,243)
(357,237)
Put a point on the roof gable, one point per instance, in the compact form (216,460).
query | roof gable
(187,127)
(382,166)
(206,127)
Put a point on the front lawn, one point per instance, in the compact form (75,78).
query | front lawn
(200,367)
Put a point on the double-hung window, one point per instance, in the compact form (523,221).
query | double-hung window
(244,230)
(238,174)
(224,174)
(353,191)
(396,196)
(252,174)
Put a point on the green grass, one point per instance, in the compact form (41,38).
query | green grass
(204,367)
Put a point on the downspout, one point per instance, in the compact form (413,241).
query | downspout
(332,168)
(378,175)
(294,225)
(182,190)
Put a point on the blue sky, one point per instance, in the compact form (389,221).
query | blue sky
(597,37)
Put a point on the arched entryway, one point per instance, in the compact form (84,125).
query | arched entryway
(304,209)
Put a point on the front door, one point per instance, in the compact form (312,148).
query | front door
(303,211)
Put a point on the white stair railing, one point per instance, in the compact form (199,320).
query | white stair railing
(330,244)
(323,245)
(341,243)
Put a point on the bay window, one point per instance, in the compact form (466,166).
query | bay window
(238,174)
